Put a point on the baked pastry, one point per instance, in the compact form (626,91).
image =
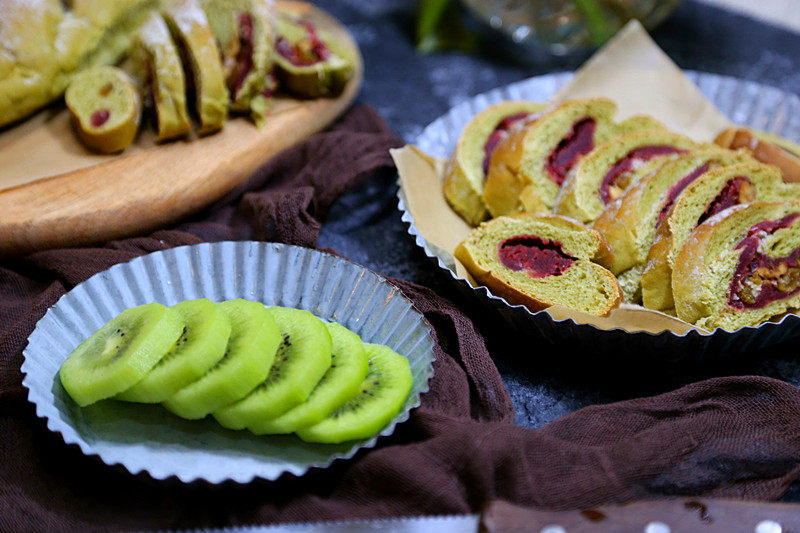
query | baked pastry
(703,198)
(542,260)
(42,46)
(528,167)
(765,147)
(245,31)
(466,169)
(612,168)
(105,107)
(161,65)
(192,34)
(740,267)
(28,29)
(630,222)
(310,62)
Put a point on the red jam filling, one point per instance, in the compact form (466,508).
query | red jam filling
(244,58)
(579,141)
(100,117)
(271,85)
(678,188)
(501,131)
(736,191)
(309,50)
(540,257)
(618,176)
(759,279)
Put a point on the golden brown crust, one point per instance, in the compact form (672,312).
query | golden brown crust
(460,195)
(603,256)
(657,275)
(503,183)
(763,150)
(689,268)
(616,224)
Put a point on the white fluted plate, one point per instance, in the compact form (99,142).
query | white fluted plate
(150,439)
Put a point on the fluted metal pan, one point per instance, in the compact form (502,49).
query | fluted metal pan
(150,439)
(744,102)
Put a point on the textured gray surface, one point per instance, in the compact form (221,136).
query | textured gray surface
(410,90)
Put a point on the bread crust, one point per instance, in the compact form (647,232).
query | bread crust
(500,288)
(460,192)
(763,150)
(504,184)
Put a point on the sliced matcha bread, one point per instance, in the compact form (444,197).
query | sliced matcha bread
(201,61)
(740,267)
(465,172)
(311,62)
(630,222)
(542,260)
(105,107)
(159,64)
(765,147)
(715,191)
(28,30)
(527,168)
(612,168)
(245,31)
(43,43)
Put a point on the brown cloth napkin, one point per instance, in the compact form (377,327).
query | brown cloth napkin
(732,437)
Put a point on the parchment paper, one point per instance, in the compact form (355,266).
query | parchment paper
(634,72)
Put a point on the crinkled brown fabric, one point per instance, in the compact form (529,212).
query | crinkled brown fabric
(733,437)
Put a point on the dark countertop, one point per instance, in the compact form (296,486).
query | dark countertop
(411,90)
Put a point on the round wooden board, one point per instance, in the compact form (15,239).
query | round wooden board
(53,193)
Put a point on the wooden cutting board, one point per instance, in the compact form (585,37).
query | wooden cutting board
(55,193)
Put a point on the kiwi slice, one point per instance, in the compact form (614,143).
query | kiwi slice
(120,354)
(302,359)
(382,394)
(349,367)
(251,348)
(201,345)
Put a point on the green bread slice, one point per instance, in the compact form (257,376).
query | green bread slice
(159,65)
(325,77)
(192,33)
(349,367)
(302,359)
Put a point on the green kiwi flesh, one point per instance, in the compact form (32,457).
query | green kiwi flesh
(120,353)
(251,348)
(349,367)
(201,345)
(383,392)
(303,358)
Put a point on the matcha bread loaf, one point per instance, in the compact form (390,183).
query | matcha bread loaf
(160,65)
(630,222)
(43,44)
(105,107)
(466,169)
(612,168)
(542,260)
(245,31)
(308,61)
(706,196)
(528,167)
(192,33)
(765,147)
(740,267)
